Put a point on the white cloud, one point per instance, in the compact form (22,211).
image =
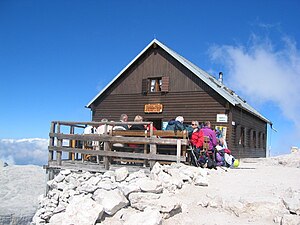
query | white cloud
(263,72)
(24,151)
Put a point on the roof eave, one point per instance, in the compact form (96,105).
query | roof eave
(255,114)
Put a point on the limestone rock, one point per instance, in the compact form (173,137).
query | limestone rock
(112,200)
(129,188)
(166,204)
(288,219)
(148,217)
(107,185)
(81,210)
(121,174)
(148,185)
(291,201)
(201,181)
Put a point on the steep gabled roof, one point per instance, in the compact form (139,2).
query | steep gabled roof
(219,87)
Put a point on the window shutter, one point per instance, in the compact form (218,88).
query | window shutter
(145,86)
(165,84)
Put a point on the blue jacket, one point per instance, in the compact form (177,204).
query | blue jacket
(175,125)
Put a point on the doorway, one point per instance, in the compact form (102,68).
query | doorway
(157,123)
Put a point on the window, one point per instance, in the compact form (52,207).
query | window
(254,139)
(155,84)
(242,137)
(263,141)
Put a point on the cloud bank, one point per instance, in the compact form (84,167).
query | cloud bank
(24,151)
(264,73)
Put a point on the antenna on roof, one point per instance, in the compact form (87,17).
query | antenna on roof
(154,36)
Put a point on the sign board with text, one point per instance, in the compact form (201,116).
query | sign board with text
(222,118)
(153,108)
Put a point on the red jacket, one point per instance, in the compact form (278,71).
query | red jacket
(197,138)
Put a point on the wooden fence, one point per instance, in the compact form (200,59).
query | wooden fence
(68,146)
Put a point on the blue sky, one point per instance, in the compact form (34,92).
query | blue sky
(55,56)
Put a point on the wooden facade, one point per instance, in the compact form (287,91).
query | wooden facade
(159,77)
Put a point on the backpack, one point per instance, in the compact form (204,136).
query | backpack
(211,163)
(229,159)
(219,158)
(203,160)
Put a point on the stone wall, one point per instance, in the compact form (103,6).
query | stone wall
(88,198)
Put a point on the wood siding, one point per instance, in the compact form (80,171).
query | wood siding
(192,105)
(252,127)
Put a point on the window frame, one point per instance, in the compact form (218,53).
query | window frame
(158,84)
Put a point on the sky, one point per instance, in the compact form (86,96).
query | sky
(55,56)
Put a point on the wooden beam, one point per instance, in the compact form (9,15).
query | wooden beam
(133,155)
(113,139)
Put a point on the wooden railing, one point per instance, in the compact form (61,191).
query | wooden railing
(68,145)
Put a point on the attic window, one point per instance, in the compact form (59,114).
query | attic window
(155,84)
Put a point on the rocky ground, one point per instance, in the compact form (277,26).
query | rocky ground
(20,187)
(259,191)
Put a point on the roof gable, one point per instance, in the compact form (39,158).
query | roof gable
(219,87)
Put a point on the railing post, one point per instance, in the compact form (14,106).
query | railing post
(184,152)
(106,147)
(178,151)
(51,142)
(153,151)
(145,149)
(59,145)
(151,129)
(72,144)
(105,158)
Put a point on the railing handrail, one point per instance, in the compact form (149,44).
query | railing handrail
(101,123)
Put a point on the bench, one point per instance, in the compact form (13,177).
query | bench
(143,147)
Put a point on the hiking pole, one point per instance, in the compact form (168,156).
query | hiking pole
(195,158)
(224,169)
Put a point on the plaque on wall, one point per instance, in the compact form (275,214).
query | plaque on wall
(153,108)
(222,118)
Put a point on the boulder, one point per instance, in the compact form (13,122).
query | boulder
(148,185)
(112,200)
(121,174)
(81,210)
(167,204)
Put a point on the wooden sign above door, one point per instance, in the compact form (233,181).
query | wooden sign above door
(153,108)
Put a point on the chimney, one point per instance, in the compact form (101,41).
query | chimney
(220,77)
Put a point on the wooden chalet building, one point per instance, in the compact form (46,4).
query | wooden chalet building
(160,84)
